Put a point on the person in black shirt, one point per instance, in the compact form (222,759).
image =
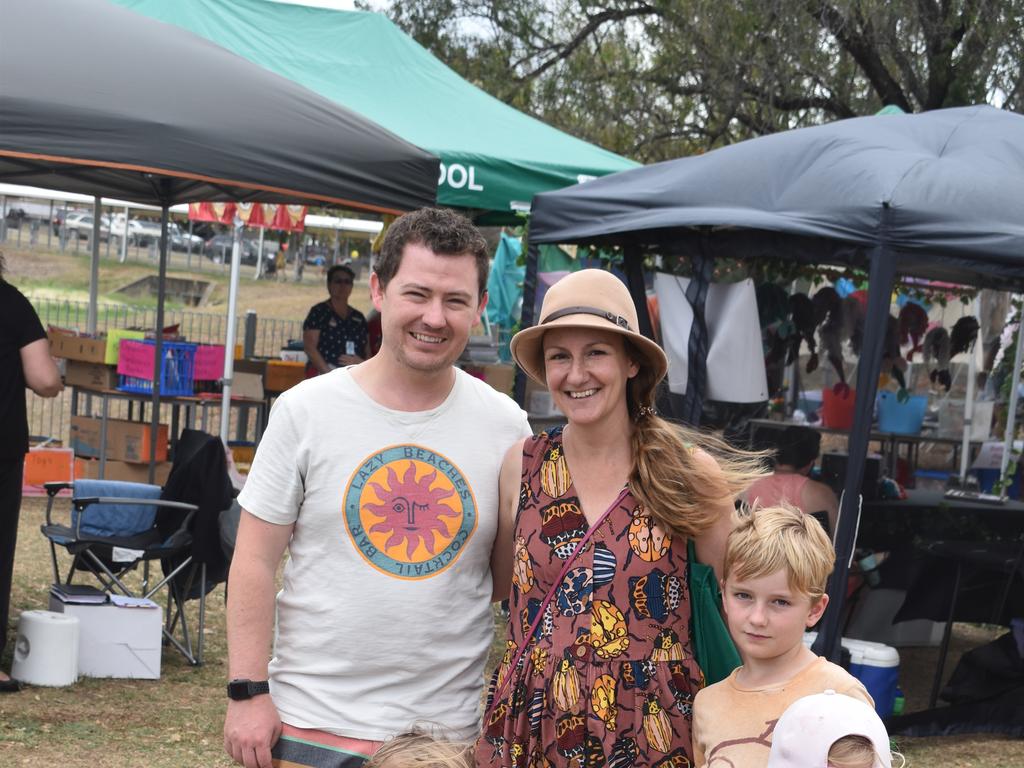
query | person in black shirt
(24,361)
(334,334)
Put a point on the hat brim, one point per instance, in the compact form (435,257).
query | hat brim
(528,349)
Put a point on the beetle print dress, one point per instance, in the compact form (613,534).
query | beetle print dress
(609,677)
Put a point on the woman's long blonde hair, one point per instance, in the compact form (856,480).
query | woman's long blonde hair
(670,477)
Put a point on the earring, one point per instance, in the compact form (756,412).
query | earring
(644,411)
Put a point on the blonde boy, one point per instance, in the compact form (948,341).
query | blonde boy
(777,562)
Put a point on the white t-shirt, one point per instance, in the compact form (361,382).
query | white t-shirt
(384,617)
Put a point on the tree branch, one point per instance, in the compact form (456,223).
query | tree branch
(593,24)
(862,52)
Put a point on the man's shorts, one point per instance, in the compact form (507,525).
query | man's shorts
(307,748)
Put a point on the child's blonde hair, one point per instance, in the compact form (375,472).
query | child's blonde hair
(418,749)
(771,538)
(856,752)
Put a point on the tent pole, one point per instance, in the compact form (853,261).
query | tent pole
(634,266)
(158,342)
(698,343)
(972,373)
(229,343)
(1011,416)
(94,267)
(527,318)
(880,283)
(124,238)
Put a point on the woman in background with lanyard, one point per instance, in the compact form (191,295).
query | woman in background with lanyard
(334,334)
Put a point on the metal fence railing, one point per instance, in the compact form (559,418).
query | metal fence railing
(50,417)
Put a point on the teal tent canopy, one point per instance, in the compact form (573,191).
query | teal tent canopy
(493,157)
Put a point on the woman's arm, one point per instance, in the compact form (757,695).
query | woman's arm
(710,544)
(41,374)
(310,339)
(508,503)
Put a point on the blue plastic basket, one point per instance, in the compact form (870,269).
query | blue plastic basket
(177,370)
(901,418)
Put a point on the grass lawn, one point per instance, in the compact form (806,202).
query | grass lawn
(176,722)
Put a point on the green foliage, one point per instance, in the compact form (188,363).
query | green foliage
(664,78)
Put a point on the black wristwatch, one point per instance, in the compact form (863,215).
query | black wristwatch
(240,690)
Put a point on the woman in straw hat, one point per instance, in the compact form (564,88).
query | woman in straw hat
(598,668)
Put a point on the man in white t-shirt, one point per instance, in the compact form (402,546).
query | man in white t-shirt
(381,480)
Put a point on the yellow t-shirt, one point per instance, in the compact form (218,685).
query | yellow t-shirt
(732,725)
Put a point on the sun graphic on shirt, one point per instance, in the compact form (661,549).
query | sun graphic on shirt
(409,511)
(413,512)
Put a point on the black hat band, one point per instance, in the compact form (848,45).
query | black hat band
(611,317)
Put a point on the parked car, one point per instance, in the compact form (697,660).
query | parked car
(180,238)
(59,214)
(117,226)
(144,233)
(218,249)
(81,225)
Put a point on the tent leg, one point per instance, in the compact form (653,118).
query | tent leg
(158,343)
(1011,425)
(880,283)
(94,266)
(527,318)
(232,320)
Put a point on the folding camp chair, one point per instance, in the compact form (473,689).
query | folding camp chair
(113,528)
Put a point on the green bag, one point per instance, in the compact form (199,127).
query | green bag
(715,651)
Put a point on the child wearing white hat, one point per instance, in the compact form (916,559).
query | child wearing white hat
(829,729)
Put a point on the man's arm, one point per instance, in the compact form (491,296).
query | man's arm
(41,374)
(508,503)
(252,727)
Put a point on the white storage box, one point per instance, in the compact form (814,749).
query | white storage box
(116,641)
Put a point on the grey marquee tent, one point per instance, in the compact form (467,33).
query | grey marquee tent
(937,195)
(98,99)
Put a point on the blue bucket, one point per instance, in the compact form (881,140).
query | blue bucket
(901,418)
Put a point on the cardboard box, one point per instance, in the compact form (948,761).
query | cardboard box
(501,377)
(90,375)
(73,347)
(248,385)
(89,469)
(115,641)
(48,465)
(250,365)
(126,440)
(282,375)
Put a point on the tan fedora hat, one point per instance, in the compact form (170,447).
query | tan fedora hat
(590,298)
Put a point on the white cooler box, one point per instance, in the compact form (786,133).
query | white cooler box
(877,666)
(117,641)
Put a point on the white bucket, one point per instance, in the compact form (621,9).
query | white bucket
(46,649)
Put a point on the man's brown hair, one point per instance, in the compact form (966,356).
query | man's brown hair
(443,231)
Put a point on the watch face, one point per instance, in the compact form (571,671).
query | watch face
(239,690)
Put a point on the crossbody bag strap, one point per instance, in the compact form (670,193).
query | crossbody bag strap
(503,686)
